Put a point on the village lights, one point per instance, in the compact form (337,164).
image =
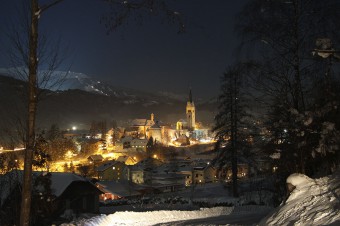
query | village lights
(69,154)
(275,169)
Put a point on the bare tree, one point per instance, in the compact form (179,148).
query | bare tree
(118,12)
(36,12)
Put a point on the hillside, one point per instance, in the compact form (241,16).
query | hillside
(77,104)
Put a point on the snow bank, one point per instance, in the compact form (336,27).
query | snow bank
(312,202)
(152,217)
(167,217)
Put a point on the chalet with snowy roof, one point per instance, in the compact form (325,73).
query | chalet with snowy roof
(95,159)
(127,160)
(113,190)
(53,193)
(112,171)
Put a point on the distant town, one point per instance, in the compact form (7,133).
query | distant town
(147,152)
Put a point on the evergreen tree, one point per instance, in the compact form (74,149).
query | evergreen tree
(230,120)
(53,132)
(42,197)
(149,162)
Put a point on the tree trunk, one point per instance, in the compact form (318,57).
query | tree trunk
(233,137)
(32,106)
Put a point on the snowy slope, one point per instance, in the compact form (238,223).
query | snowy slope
(66,80)
(312,202)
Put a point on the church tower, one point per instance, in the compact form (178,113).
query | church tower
(190,111)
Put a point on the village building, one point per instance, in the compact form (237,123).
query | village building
(67,191)
(204,174)
(112,171)
(139,144)
(141,172)
(127,160)
(95,159)
(139,127)
(113,190)
(155,131)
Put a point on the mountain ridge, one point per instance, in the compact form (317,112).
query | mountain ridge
(79,107)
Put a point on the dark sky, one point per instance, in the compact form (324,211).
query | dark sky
(151,56)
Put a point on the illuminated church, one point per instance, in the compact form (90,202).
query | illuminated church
(190,122)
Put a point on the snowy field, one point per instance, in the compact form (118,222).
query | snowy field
(312,202)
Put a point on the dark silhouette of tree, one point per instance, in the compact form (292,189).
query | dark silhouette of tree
(287,75)
(84,170)
(149,162)
(53,132)
(230,120)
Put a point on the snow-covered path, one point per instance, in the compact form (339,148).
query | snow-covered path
(243,215)
(251,217)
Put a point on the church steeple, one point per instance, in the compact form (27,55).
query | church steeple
(190,96)
(190,112)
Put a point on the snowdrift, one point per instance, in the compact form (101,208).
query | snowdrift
(312,202)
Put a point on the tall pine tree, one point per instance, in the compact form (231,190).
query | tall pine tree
(230,120)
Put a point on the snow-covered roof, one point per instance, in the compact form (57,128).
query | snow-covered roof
(142,122)
(120,188)
(124,158)
(107,165)
(96,157)
(59,181)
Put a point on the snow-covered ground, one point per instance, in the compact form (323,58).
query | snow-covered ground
(312,202)
(203,216)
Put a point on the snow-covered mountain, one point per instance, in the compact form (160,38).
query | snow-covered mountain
(68,80)
(79,98)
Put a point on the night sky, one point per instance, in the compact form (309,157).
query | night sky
(151,56)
